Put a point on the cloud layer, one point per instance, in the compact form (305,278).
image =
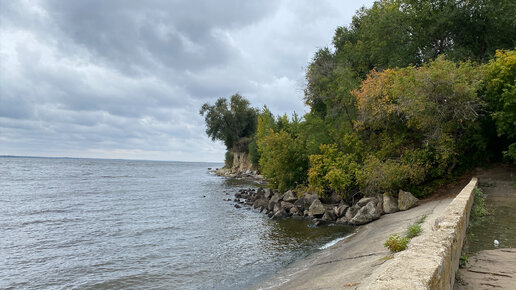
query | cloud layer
(126,79)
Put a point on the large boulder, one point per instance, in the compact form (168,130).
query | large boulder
(276,197)
(390,204)
(329,215)
(340,211)
(295,211)
(300,204)
(271,204)
(280,214)
(290,196)
(316,209)
(351,212)
(287,205)
(365,200)
(406,200)
(268,193)
(366,214)
(262,202)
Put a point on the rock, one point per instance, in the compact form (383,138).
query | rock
(277,207)
(366,214)
(287,205)
(390,204)
(341,210)
(329,215)
(276,197)
(351,212)
(268,194)
(379,203)
(290,196)
(342,220)
(295,211)
(305,213)
(271,204)
(308,199)
(300,204)
(364,201)
(262,202)
(316,209)
(406,200)
(260,191)
(280,214)
(237,206)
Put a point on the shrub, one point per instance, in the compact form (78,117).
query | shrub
(332,170)
(395,243)
(414,230)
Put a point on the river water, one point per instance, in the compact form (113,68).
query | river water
(87,223)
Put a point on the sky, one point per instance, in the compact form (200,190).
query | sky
(126,79)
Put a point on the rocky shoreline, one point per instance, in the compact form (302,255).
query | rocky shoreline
(308,206)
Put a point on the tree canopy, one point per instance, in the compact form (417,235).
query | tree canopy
(230,122)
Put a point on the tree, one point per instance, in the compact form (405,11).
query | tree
(415,121)
(230,122)
(501,97)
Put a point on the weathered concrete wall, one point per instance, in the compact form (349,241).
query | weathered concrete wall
(431,260)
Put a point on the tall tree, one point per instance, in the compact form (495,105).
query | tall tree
(230,122)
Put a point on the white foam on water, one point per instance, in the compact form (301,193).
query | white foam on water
(332,243)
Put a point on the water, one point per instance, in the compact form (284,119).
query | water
(85,223)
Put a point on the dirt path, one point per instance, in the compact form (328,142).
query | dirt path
(350,262)
(492,268)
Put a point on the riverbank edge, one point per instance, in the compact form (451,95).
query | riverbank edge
(431,260)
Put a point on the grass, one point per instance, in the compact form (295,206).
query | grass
(396,243)
(479,206)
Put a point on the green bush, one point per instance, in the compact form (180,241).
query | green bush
(414,230)
(395,243)
(332,170)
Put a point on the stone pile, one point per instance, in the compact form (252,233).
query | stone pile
(306,205)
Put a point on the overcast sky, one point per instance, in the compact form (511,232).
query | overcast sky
(126,79)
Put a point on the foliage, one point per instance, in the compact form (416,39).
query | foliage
(283,159)
(414,121)
(479,208)
(414,230)
(463,261)
(229,122)
(501,96)
(396,243)
(332,170)
(228,160)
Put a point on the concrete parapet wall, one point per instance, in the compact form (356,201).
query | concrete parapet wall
(431,260)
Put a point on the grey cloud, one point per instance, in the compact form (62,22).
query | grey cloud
(126,79)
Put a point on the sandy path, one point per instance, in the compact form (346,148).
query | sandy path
(350,263)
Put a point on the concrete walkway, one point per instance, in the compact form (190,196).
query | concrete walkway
(351,262)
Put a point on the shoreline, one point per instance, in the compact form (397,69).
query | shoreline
(351,262)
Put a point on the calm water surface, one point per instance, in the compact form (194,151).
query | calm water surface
(85,223)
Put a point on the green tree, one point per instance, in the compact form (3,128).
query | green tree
(230,122)
(415,121)
(501,97)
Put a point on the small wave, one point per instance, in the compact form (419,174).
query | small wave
(332,243)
